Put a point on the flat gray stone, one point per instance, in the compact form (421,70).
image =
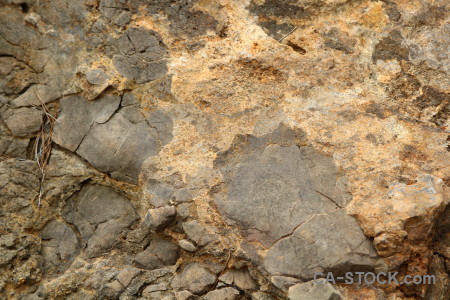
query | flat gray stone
(314,291)
(114,143)
(96,76)
(227,293)
(100,215)
(119,147)
(78,115)
(187,245)
(198,233)
(162,194)
(195,278)
(326,242)
(273,191)
(23,121)
(159,218)
(59,244)
(291,198)
(159,253)
(142,55)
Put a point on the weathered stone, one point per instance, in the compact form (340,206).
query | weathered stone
(227,293)
(184,295)
(362,85)
(13,147)
(118,147)
(100,215)
(60,244)
(159,253)
(123,18)
(195,278)
(287,185)
(126,275)
(143,55)
(187,245)
(159,218)
(283,282)
(198,233)
(314,290)
(78,115)
(240,278)
(183,195)
(161,195)
(23,121)
(325,242)
(96,76)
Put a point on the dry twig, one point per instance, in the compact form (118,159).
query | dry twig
(43,144)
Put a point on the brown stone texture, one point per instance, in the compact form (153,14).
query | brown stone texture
(223,149)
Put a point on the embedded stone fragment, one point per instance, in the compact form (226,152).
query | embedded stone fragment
(198,233)
(195,278)
(78,115)
(227,293)
(291,199)
(23,121)
(272,192)
(326,242)
(159,253)
(158,218)
(113,143)
(187,245)
(314,291)
(96,76)
(143,55)
(60,244)
(119,147)
(100,215)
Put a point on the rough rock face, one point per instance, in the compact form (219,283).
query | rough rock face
(223,149)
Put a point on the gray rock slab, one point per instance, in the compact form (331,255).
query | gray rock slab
(77,116)
(198,233)
(119,147)
(325,242)
(115,143)
(195,277)
(289,197)
(96,76)
(314,291)
(227,293)
(159,253)
(100,215)
(275,190)
(59,244)
(159,218)
(142,55)
(23,121)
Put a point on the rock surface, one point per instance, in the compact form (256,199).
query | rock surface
(312,291)
(223,149)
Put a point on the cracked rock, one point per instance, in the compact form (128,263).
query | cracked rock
(198,233)
(159,218)
(143,55)
(195,278)
(159,253)
(100,215)
(227,293)
(314,291)
(60,244)
(23,121)
(326,242)
(78,115)
(271,189)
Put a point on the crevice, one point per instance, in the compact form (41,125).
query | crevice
(329,198)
